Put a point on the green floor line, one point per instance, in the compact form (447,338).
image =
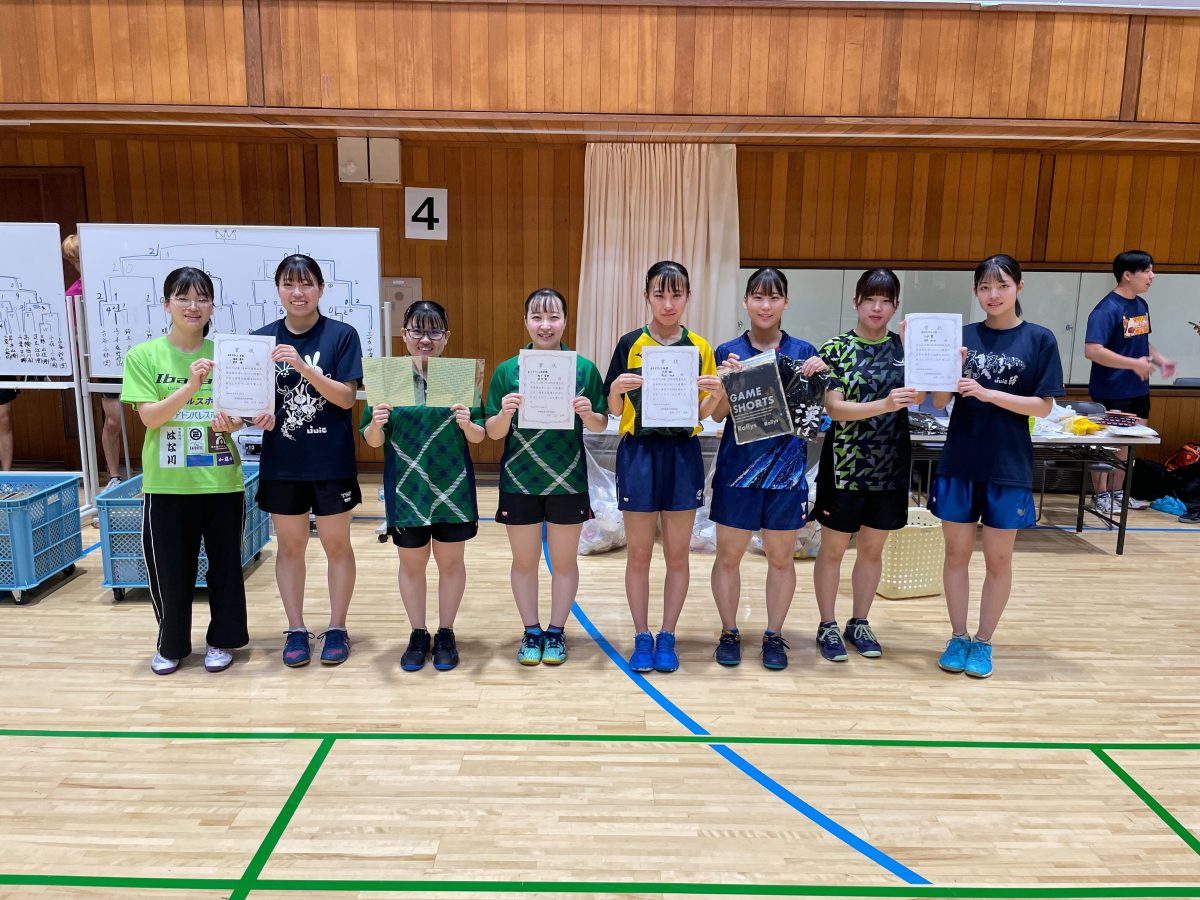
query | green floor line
(242,888)
(585,738)
(1145,796)
(267,847)
(742,890)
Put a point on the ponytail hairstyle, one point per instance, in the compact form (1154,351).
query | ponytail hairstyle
(999,264)
(878,283)
(182,280)
(668,275)
(767,280)
(545,300)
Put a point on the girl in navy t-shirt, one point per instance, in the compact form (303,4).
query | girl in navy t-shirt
(1011,371)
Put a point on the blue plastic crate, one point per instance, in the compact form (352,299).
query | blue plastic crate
(39,528)
(120,511)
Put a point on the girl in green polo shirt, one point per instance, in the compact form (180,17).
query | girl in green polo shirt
(429,484)
(543,478)
(192,479)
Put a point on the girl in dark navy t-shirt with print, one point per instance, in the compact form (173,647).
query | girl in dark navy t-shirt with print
(308,463)
(1011,371)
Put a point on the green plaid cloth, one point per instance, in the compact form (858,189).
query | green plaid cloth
(427,472)
(544,462)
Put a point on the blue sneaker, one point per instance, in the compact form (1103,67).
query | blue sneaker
(774,651)
(979,660)
(954,657)
(337,647)
(530,652)
(665,658)
(554,648)
(831,644)
(642,658)
(295,648)
(729,648)
(862,639)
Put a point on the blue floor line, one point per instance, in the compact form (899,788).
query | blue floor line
(738,761)
(91,548)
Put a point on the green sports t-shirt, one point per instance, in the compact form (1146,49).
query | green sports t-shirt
(542,462)
(184,456)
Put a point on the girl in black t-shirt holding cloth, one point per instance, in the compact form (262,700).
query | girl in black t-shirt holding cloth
(308,463)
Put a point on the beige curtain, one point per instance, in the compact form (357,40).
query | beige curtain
(646,202)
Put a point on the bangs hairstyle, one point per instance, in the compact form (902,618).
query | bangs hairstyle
(668,275)
(180,281)
(767,280)
(299,267)
(545,300)
(427,314)
(878,283)
(996,266)
(70,248)
(1131,261)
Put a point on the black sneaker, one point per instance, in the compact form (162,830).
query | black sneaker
(445,653)
(729,648)
(418,649)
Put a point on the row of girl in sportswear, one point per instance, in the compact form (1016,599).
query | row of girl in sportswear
(193,481)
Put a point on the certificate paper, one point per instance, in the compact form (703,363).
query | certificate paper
(670,398)
(243,375)
(451,381)
(546,383)
(390,380)
(933,351)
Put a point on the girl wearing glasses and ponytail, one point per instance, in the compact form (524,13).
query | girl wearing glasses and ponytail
(429,487)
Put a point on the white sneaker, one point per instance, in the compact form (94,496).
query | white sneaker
(217,660)
(163,666)
(1103,503)
(112,482)
(1138,504)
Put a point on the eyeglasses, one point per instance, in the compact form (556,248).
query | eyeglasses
(433,334)
(185,302)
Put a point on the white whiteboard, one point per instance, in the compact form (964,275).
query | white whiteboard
(124,267)
(34,338)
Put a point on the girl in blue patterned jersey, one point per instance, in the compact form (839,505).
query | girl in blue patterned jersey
(776,510)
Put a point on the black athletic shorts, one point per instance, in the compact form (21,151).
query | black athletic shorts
(1138,406)
(531,509)
(286,497)
(848,511)
(443,532)
(7,396)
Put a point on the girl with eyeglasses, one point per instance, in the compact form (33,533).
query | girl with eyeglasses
(543,479)
(429,493)
(308,462)
(192,480)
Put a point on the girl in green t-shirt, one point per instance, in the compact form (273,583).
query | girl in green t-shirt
(543,478)
(192,479)
(429,486)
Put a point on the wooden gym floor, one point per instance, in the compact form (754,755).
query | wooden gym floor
(1073,772)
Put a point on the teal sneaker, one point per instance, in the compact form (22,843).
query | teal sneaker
(979,660)
(830,643)
(530,651)
(954,657)
(554,648)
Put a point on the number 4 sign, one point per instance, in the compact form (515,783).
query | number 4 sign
(425,214)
